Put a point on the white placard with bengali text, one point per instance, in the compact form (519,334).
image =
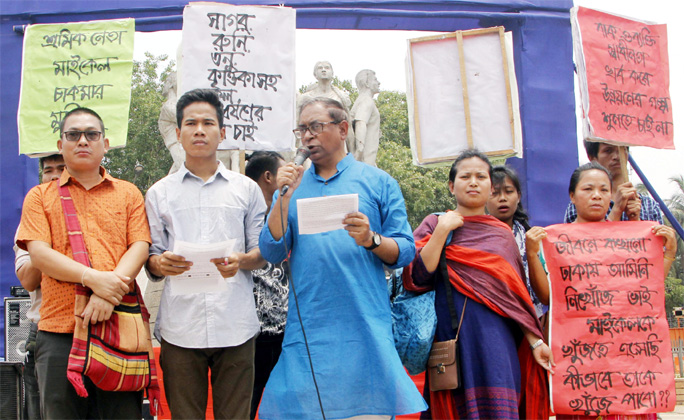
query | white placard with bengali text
(247,54)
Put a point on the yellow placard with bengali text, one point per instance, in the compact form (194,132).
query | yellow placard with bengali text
(86,64)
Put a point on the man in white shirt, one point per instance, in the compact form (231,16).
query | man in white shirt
(204,203)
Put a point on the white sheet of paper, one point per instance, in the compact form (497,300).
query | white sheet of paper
(324,214)
(203,277)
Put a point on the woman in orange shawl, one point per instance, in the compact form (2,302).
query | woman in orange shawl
(500,338)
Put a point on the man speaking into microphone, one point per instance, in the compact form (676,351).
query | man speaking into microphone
(339,282)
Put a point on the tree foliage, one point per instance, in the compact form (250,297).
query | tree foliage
(394,117)
(346,85)
(145,148)
(674,289)
(425,190)
(676,206)
(674,297)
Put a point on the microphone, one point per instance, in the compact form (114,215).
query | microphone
(302,155)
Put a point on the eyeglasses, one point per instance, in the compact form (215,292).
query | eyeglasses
(76,135)
(315,128)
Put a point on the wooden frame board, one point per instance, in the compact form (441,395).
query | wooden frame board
(461,96)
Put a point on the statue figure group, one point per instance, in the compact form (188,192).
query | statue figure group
(364,134)
(167,122)
(323,72)
(366,118)
(364,137)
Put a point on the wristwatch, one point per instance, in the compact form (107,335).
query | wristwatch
(536,344)
(376,241)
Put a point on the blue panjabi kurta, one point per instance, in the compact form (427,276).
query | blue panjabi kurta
(344,307)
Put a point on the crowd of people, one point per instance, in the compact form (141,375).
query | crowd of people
(300,326)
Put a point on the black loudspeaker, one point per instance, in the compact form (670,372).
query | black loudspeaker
(11,390)
(17,328)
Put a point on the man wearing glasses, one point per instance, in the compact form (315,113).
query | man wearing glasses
(339,281)
(111,213)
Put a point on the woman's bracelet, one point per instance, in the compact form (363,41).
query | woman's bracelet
(83,276)
(536,344)
(669,258)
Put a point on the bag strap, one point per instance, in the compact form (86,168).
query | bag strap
(76,365)
(461,320)
(444,272)
(78,246)
(74,232)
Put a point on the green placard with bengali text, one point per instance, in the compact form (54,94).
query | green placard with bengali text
(87,64)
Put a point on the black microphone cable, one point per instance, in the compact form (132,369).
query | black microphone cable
(299,315)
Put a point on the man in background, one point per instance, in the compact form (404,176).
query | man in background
(270,284)
(51,168)
(626,203)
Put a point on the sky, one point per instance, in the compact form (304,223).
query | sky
(385,53)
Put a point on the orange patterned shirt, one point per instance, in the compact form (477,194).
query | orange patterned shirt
(112,217)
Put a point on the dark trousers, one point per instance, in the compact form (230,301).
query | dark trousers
(186,373)
(31,393)
(268,348)
(58,398)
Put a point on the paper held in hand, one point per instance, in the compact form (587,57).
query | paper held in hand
(203,276)
(324,214)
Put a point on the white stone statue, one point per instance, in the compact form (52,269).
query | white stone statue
(230,158)
(366,118)
(168,123)
(324,74)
